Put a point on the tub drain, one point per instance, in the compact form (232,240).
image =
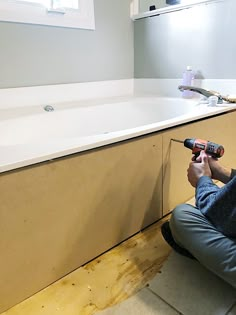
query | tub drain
(48,108)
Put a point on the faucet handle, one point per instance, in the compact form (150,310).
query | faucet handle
(213,100)
(229,99)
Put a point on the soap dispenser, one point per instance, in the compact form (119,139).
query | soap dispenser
(188,79)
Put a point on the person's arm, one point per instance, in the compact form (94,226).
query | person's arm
(233,173)
(199,176)
(220,172)
(217,204)
(205,194)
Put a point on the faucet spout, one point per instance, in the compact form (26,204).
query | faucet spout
(206,93)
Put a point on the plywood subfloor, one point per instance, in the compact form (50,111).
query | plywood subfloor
(103,282)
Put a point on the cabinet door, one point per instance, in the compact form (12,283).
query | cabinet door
(176,158)
(55,216)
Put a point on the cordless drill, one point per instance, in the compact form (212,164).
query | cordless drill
(197,145)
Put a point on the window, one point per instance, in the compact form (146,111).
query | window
(65,13)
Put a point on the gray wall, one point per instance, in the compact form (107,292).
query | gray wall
(203,37)
(40,55)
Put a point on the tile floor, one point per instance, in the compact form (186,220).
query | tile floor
(182,287)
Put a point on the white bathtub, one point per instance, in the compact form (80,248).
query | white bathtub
(31,135)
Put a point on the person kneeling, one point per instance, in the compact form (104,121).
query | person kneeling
(207,232)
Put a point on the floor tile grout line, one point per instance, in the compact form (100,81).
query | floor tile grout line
(158,296)
(230,309)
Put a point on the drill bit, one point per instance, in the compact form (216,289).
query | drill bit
(176,140)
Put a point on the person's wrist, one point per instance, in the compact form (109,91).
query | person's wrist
(224,175)
(232,173)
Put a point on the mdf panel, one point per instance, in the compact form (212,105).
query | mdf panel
(56,216)
(176,158)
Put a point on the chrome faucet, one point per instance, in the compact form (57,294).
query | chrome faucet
(206,93)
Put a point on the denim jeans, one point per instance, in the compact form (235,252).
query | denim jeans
(192,231)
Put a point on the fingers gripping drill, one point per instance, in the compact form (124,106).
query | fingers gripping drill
(197,145)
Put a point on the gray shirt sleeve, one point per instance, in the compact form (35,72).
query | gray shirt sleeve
(218,204)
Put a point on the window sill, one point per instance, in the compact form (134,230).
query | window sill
(20,12)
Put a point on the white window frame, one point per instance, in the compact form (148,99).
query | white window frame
(24,12)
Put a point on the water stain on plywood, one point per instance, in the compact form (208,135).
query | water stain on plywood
(103,282)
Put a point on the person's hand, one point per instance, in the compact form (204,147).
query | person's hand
(198,168)
(216,168)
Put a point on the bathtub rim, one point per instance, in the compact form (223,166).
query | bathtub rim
(25,159)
